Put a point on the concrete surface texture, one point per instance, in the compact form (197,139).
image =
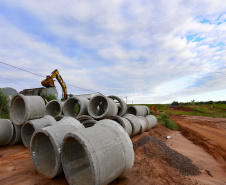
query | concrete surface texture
(6,131)
(123,122)
(138,110)
(86,161)
(152,120)
(46,146)
(101,107)
(31,126)
(143,125)
(16,139)
(69,106)
(135,123)
(54,108)
(24,108)
(122,108)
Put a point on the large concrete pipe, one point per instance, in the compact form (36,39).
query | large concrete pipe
(6,131)
(152,120)
(24,108)
(101,107)
(54,108)
(97,155)
(137,110)
(31,126)
(148,110)
(123,122)
(16,139)
(46,146)
(143,124)
(146,124)
(40,92)
(75,107)
(9,92)
(83,118)
(135,123)
(122,108)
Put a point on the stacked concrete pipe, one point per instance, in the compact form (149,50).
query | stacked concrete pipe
(16,139)
(54,108)
(135,123)
(24,108)
(122,105)
(86,161)
(138,110)
(123,122)
(101,107)
(46,143)
(152,120)
(143,124)
(68,108)
(31,126)
(6,131)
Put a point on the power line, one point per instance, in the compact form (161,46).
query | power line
(43,76)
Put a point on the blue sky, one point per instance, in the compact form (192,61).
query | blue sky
(150,51)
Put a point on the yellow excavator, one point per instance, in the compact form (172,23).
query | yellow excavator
(49,82)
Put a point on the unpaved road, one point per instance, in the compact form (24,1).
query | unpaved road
(209,133)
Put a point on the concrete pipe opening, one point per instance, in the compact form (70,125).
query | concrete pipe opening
(76,162)
(54,108)
(43,154)
(26,134)
(132,110)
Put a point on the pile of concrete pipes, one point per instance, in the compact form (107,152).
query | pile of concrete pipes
(91,145)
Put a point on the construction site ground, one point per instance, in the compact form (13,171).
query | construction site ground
(201,139)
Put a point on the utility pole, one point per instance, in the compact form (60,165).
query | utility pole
(126,99)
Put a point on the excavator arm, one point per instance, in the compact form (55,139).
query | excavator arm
(49,82)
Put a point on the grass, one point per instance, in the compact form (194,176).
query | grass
(167,122)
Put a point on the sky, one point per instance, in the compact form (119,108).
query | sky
(155,51)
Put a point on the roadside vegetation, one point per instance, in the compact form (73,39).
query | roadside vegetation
(164,119)
(4,108)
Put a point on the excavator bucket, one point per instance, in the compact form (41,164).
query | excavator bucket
(48,82)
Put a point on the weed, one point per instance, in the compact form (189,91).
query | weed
(167,122)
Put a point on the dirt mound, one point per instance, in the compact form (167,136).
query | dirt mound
(158,148)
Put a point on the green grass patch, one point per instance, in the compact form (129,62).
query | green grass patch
(167,122)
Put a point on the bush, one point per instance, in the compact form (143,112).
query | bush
(167,122)
(4,107)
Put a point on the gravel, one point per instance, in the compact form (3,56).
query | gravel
(158,149)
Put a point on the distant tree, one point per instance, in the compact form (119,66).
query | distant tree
(175,103)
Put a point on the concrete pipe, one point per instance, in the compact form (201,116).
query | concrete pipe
(137,110)
(143,124)
(146,122)
(152,120)
(89,123)
(75,107)
(148,110)
(6,131)
(31,126)
(54,108)
(97,155)
(83,118)
(16,139)
(135,123)
(101,107)
(59,117)
(122,105)
(24,108)
(123,122)
(40,92)
(46,146)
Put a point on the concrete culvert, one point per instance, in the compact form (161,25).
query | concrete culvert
(123,122)
(31,126)
(54,108)
(152,120)
(16,139)
(6,131)
(137,110)
(46,146)
(101,107)
(143,124)
(146,122)
(75,107)
(86,161)
(24,108)
(83,118)
(122,108)
(89,123)
(135,123)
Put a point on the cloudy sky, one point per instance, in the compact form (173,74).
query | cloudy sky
(152,51)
